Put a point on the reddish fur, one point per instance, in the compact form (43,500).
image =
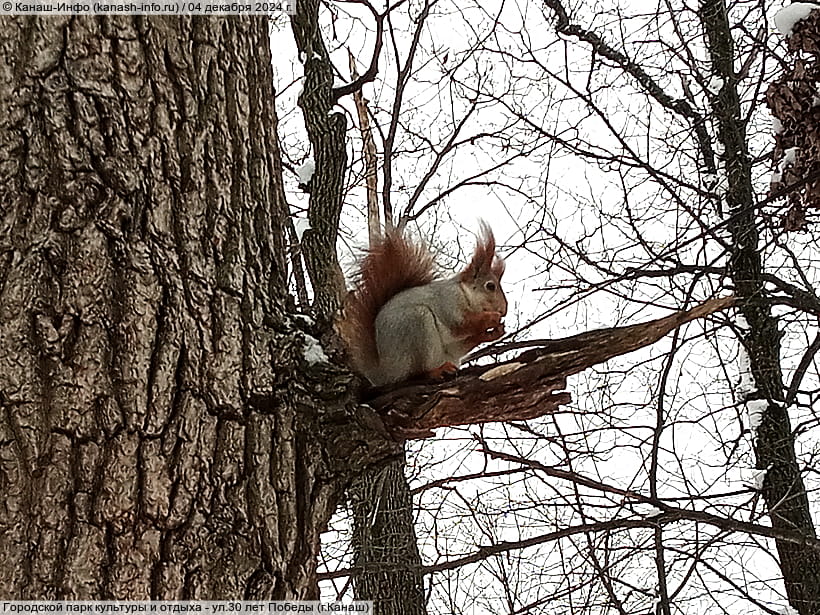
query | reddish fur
(484,260)
(391,266)
(478,321)
(445,369)
(480,327)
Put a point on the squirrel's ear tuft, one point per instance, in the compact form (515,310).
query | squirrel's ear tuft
(484,260)
(498,266)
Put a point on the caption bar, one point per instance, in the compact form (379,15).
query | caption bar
(142,7)
(198,607)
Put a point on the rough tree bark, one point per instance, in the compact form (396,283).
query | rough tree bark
(386,560)
(162,433)
(783,487)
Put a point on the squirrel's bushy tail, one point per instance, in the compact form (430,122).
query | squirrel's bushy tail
(391,266)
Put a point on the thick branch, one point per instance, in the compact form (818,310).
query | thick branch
(326,131)
(529,386)
(668,515)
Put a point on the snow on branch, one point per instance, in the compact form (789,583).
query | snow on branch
(786,18)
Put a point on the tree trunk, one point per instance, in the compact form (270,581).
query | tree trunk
(164,432)
(783,488)
(386,561)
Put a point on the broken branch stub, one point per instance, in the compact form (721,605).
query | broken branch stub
(529,386)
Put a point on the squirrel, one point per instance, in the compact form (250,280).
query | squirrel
(401,321)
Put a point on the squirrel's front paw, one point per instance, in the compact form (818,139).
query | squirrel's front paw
(438,373)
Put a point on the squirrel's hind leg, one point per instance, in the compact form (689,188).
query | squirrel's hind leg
(436,359)
(410,344)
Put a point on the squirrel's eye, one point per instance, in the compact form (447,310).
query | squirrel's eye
(490,285)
